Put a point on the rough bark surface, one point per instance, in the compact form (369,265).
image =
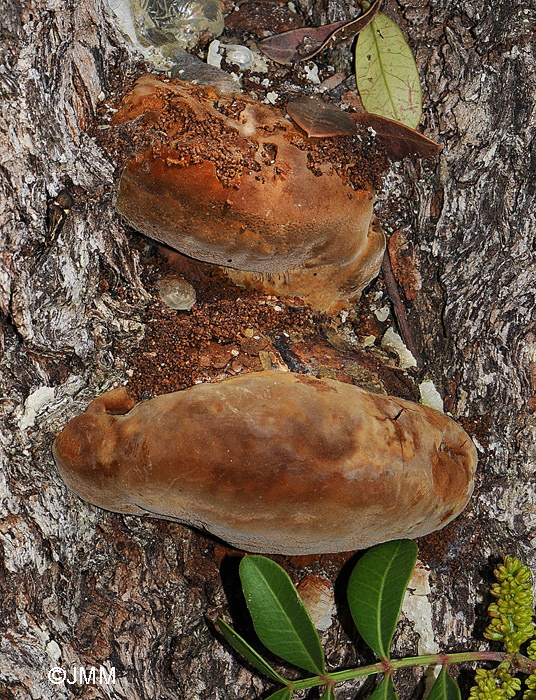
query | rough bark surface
(80,587)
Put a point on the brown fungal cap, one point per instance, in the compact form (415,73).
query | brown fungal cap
(273,462)
(232,182)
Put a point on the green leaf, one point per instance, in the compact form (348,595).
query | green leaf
(283,694)
(240,644)
(376,590)
(279,616)
(444,688)
(385,691)
(386,73)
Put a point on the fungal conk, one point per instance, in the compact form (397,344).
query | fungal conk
(273,462)
(232,182)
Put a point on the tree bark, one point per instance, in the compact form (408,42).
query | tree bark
(81,587)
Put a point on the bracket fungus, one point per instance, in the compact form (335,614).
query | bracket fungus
(273,462)
(232,182)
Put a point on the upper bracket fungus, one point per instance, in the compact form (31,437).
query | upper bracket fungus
(236,183)
(273,462)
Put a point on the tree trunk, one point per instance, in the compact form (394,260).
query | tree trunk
(84,588)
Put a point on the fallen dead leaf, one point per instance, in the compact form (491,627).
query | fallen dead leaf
(304,43)
(399,140)
(318,118)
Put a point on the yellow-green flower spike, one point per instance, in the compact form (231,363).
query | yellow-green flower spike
(511,615)
(495,684)
(530,692)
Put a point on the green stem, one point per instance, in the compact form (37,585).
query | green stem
(520,662)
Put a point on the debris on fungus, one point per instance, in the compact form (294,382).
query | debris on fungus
(235,183)
(273,462)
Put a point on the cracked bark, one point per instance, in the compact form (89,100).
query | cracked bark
(81,587)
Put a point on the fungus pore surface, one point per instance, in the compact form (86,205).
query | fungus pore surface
(273,462)
(235,183)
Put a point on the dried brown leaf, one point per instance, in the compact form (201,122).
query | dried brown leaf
(304,43)
(321,119)
(318,118)
(399,140)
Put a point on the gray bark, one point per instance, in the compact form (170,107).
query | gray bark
(80,587)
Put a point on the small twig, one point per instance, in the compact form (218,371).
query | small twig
(398,308)
(521,663)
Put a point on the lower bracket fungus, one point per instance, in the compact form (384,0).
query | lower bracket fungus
(232,182)
(273,462)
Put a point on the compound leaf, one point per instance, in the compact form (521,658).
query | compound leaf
(283,694)
(444,688)
(279,616)
(255,659)
(386,73)
(376,590)
(385,691)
